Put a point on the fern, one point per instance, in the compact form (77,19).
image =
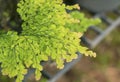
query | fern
(83,23)
(48,31)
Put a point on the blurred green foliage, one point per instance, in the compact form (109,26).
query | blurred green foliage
(9,18)
(45,34)
(103,59)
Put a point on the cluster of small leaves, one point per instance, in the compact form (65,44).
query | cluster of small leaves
(46,34)
(83,23)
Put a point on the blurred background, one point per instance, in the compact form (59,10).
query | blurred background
(105,67)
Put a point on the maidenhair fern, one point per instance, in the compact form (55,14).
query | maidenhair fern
(48,31)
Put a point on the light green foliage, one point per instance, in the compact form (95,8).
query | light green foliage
(47,32)
(83,23)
